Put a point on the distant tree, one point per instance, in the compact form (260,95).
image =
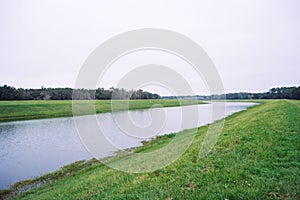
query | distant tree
(11,93)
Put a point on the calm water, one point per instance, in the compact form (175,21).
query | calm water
(35,147)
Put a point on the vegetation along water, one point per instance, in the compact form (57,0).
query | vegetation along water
(256,157)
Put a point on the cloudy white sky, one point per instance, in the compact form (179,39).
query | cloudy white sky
(254,44)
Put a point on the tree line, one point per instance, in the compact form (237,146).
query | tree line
(12,93)
(274,93)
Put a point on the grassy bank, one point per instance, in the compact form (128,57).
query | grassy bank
(23,110)
(256,157)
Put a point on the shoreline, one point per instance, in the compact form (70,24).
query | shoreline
(69,169)
(40,109)
(255,156)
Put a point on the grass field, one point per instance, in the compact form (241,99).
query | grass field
(23,110)
(256,157)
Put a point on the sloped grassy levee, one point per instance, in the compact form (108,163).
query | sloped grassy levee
(24,110)
(256,157)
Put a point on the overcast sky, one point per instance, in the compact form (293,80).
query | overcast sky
(254,44)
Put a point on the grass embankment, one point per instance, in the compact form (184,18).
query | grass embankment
(256,157)
(24,110)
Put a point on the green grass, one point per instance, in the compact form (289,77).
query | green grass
(256,157)
(24,110)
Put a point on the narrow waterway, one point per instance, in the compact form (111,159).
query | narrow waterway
(35,147)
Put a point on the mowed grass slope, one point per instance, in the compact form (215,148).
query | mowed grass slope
(21,110)
(256,157)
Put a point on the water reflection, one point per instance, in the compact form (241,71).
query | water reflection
(32,148)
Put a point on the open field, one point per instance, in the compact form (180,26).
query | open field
(256,157)
(23,110)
